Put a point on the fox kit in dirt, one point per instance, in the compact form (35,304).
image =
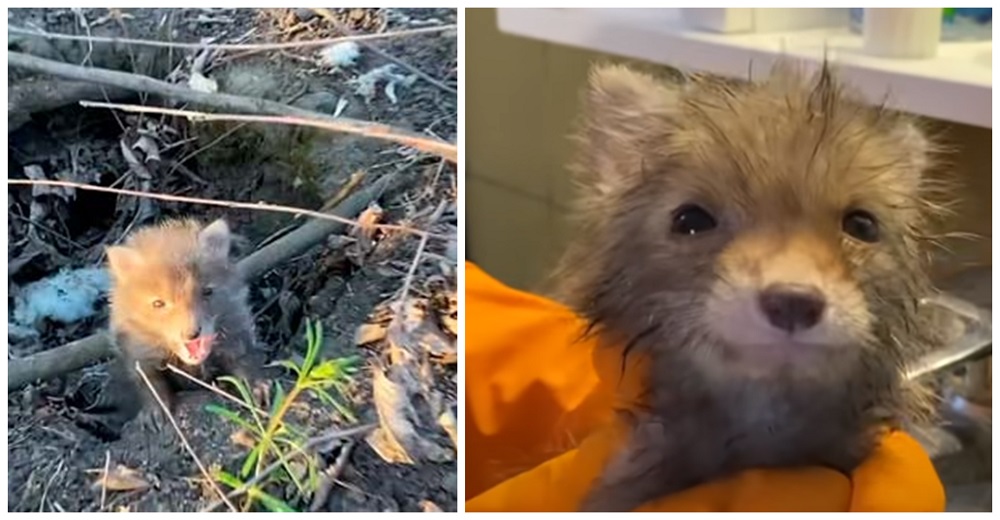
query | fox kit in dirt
(176,297)
(761,243)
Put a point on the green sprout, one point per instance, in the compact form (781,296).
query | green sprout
(276,439)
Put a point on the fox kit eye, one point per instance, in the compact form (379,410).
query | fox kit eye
(861,225)
(158,304)
(207,291)
(691,219)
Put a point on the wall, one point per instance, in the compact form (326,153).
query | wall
(521,99)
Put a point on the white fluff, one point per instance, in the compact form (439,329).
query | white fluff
(365,84)
(340,55)
(65,297)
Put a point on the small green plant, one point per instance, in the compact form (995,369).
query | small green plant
(276,439)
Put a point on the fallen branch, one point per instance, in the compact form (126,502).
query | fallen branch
(89,350)
(60,360)
(231,103)
(36,95)
(231,46)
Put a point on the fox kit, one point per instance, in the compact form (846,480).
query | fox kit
(176,297)
(761,243)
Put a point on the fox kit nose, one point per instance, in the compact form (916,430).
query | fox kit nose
(791,307)
(195,332)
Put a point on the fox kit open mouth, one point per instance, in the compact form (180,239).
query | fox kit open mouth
(762,242)
(198,349)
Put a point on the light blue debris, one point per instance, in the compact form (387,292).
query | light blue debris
(65,297)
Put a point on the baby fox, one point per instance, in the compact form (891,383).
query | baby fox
(761,243)
(176,297)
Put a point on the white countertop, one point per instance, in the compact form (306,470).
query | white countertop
(956,85)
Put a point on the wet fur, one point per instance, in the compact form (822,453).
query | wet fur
(778,161)
(173,261)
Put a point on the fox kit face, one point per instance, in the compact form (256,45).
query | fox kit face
(760,225)
(167,280)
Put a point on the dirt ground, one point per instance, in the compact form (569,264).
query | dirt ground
(58,444)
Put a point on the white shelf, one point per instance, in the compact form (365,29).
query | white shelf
(957,85)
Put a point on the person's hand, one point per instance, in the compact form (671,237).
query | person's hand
(541,427)
(897,477)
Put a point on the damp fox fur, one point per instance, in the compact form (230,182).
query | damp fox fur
(763,243)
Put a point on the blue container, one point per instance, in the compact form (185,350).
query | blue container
(957,24)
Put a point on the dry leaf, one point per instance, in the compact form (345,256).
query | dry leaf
(430,507)
(397,439)
(368,219)
(243,438)
(120,478)
(137,168)
(447,421)
(35,172)
(413,332)
(364,234)
(392,405)
(148,146)
(369,333)
(449,315)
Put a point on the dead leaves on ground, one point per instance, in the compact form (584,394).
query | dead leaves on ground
(120,478)
(421,326)
(365,234)
(416,423)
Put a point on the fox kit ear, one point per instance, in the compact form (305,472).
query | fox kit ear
(123,261)
(625,112)
(215,240)
(918,147)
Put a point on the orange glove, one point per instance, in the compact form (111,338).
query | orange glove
(540,425)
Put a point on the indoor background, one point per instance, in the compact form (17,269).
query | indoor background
(521,100)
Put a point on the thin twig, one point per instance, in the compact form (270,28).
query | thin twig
(315,441)
(55,233)
(231,46)
(45,492)
(184,440)
(229,103)
(216,390)
(377,130)
(420,252)
(104,478)
(260,206)
(330,477)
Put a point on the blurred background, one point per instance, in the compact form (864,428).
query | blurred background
(522,96)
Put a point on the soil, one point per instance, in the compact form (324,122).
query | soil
(58,440)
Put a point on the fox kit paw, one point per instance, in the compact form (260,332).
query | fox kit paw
(261,389)
(152,419)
